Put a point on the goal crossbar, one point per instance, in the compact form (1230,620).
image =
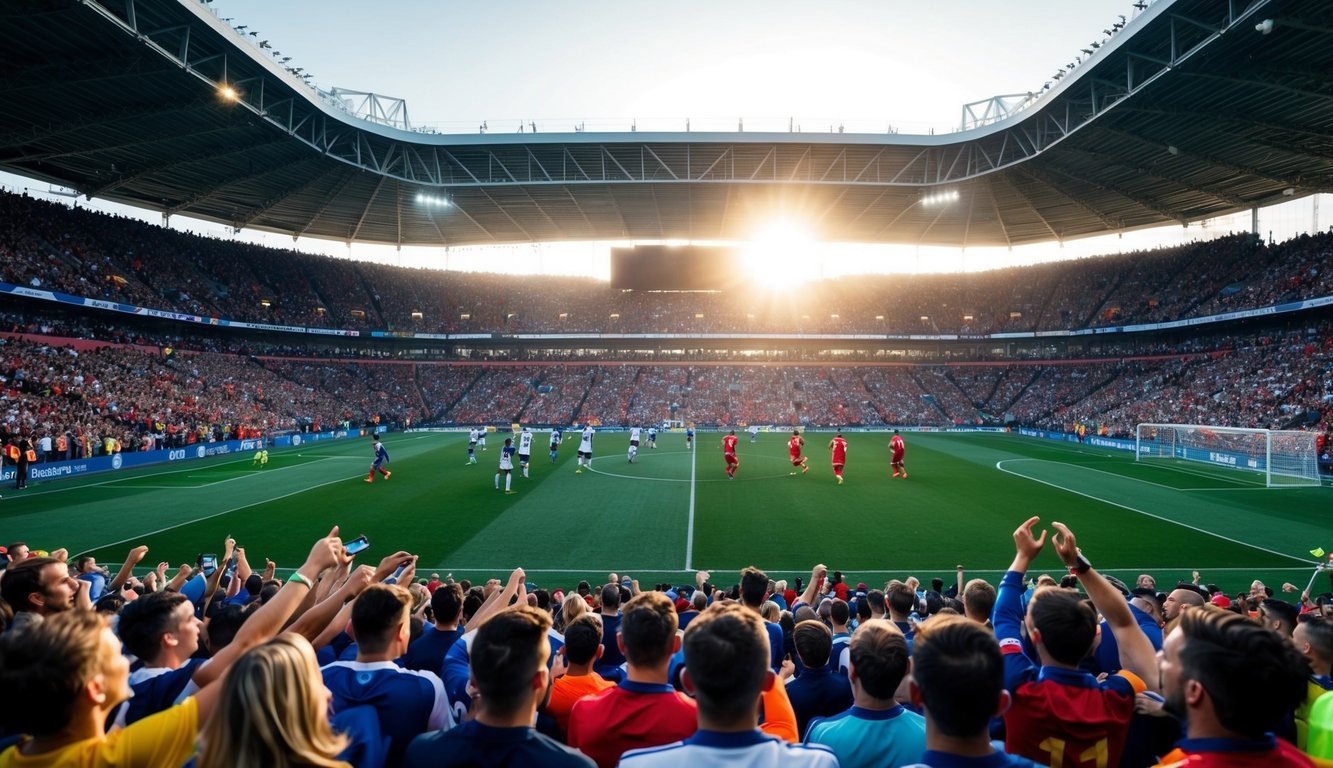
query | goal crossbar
(1284,458)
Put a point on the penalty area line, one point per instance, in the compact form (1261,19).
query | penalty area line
(1000,466)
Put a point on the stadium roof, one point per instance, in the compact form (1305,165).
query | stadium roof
(1197,108)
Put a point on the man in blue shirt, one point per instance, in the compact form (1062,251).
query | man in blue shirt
(406,702)
(878,663)
(427,652)
(508,660)
(816,692)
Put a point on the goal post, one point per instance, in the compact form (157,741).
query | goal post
(1284,458)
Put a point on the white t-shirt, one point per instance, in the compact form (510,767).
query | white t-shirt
(634,433)
(472,436)
(585,440)
(524,443)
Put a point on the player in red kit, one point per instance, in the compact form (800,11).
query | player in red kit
(899,448)
(839,447)
(794,448)
(729,453)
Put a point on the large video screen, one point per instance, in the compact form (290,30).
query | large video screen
(672,268)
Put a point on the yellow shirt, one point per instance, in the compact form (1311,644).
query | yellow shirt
(164,739)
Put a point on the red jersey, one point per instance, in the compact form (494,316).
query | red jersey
(1233,753)
(794,446)
(897,446)
(628,716)
(839,446)
(729,444)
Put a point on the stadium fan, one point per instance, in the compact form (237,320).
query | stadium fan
(1314,639)
(1059,712)
(39,587)
(573,671)
(508,660)
(405,702)
(958,683)
(272,711)
(878,662)
(816,692)
(643,710)
(726,660)
(427,652)
(1232,682)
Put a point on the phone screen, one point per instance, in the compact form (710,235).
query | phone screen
(398,574)
(209,564)
(359,544)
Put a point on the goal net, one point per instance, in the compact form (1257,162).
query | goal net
(1282,458)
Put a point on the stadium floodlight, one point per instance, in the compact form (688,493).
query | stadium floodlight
(1264,27)
(943,197)
(1283,458)
(229,93)
(433,201)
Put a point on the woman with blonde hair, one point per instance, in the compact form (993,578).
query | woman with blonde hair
(274,711)
(573,607)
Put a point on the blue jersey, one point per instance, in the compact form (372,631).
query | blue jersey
(509,450)
(407,702)
(380,453)
(689,433)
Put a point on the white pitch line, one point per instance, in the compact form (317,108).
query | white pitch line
(1000,466)
(218,514)
(689,529)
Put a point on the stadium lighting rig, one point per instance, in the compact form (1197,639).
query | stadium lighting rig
(943,197)
(433,201)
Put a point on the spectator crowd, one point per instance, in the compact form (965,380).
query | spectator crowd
(340,663)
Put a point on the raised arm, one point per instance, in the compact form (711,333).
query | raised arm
(817,575)
(271,616)
(127,570)
(1136,652)
(313,622)
(498,601)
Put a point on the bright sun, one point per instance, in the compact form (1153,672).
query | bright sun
(781,255)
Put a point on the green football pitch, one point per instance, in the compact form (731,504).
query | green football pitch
(673,511)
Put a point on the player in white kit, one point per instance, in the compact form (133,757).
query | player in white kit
(524,449)
(634,433)
(585,448)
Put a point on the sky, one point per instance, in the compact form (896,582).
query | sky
(610,64)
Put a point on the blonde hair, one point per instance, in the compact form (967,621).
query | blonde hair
(271,712)
(573,607)
(770,611)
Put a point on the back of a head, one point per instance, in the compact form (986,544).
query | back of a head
(378,613)
(979,599)
(814,643)
(698,601)
(224,624)
(754,587)
(270,711)
(1067,623)
(875,599)
(506,652)
(726,657)
(22,579)
(610,597)
(583,636)
(901,598)
(254,584)
(143,622)
(957,665)
(573,607)
(45,667)
(878,653)
(473,599)
(1253,675)
(839,611)
(446,603)
(648,628)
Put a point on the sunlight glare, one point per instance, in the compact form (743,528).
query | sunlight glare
(781,255)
